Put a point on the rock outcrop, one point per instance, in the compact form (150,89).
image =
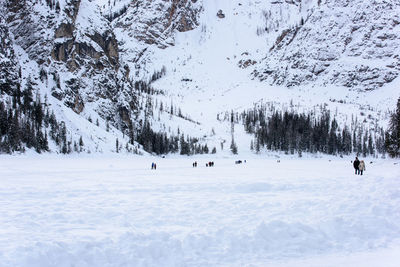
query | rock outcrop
(76,46)
(154,22)
(9,67)
(354,44)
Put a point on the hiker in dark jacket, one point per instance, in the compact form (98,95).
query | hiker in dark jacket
(356,164)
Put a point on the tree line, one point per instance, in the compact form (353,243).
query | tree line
(160,143)
(294,132)
(27,123)
(392,135)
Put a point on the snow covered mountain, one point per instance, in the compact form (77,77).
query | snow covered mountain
(112,71)
(348,43)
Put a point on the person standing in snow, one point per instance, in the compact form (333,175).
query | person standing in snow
(361,167)
(356,164)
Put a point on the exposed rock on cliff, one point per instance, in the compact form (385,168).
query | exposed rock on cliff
(354,44)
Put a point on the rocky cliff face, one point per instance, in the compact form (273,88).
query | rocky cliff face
(75,42)
(154,22)
(82,35)
(9,67)
(355,44)
(80,54)
(149,24)
(74,45)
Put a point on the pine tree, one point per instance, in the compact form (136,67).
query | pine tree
(233,147)
(46,142)
(371,149)
(27,95)
(131,134)
(355,145)
(40,142)
(80,144)
(332,142)
(185,148)
(257,146)
(38,113)
(364,146)
(392,135)
(3,120)
(58,7)
(205,149)
(359,142)
(15,131)
(63,138)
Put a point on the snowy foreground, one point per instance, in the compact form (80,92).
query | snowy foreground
(115,211)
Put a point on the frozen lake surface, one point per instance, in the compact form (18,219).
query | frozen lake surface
(115,211)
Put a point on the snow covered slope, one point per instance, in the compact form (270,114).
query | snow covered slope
(352,44)
(68,50)
(221,65)
(202,59)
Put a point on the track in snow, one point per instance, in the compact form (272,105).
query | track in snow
(115,211)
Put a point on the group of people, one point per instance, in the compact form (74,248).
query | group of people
(210,164)
(359,166)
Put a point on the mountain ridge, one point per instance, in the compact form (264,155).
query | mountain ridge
(126,64)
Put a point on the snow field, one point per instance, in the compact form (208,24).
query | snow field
(115,211)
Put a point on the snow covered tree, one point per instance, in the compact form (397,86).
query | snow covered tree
(205,149)
(233,147)
(80,144)
(371,149)
(392,135)
(185,148)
